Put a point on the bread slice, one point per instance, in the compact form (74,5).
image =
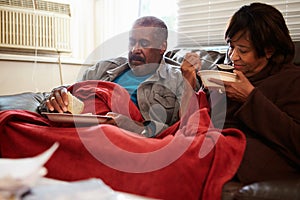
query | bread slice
(75,105)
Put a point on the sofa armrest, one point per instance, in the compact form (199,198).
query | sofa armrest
(230,189)
(270,190)
(23,101)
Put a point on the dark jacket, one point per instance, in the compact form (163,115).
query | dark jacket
(270,118)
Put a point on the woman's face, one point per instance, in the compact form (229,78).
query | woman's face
(243,55)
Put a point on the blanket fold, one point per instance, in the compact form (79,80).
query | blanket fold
(189,160)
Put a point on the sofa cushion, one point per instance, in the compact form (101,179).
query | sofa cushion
(23,101)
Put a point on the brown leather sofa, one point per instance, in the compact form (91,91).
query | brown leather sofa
(267,190)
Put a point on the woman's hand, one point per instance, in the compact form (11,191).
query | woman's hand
(58,100)
(189,67)
(239,90)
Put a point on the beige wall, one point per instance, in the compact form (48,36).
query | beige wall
(24,76)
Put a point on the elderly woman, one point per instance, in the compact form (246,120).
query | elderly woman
(265,102)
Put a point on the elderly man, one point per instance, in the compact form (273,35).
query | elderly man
(154,86)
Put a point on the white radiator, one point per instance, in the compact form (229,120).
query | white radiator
(37,28)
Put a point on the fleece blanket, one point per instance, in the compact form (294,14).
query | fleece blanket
(189,160)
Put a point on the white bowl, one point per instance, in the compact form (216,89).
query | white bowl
(220,75)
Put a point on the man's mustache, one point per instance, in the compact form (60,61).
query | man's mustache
(136,58)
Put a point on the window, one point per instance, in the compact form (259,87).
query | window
(114,19)
(202,23)
(166,10)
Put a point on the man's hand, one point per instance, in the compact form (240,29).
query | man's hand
(239,90)
(125,122)
(189,67)
(58,100)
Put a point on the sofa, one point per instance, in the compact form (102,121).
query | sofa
(267,190)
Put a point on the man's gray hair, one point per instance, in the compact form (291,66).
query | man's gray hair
(151,21)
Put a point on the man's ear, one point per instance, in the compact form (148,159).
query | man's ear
(163,47)
(269,52)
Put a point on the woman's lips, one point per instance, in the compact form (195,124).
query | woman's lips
(238,67)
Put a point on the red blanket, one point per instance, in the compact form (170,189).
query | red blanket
(189,160)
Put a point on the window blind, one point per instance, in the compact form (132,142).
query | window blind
(203,22)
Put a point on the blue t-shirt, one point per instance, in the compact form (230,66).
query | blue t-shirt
(131,82)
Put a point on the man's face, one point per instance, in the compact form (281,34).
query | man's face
(145,50)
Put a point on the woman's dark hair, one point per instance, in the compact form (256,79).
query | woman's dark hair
(151,21)
(266,28)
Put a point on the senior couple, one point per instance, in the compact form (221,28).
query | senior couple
(264,104)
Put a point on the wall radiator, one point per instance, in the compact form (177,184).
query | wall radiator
(34,25)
